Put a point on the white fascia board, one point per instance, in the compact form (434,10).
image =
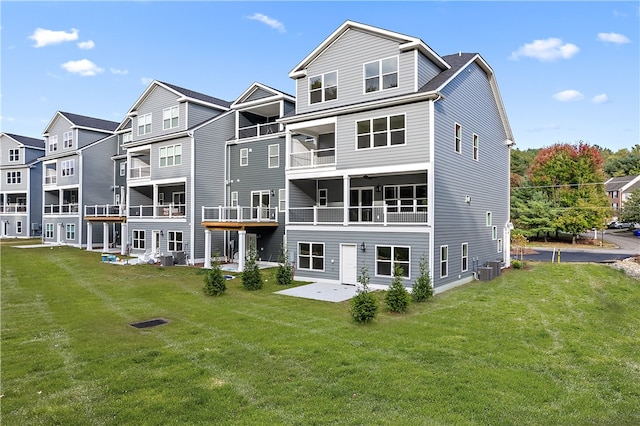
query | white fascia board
(317,122)
(53,119)
(262,101)
(420,46)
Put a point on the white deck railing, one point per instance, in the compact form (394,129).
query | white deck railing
(105,210)
(313,158)
(385,215)
(158,211)
(239,214)
(258,130)
(13,208)
(139,172)
(61,208)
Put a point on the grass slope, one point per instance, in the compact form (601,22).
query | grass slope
(556,344)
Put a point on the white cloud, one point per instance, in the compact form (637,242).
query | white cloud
(273,23)
(613,38)
(146,80)
(568,96)
(546,50)
(600,99)
(86,45)
(84,67)
(44,37)
(7,119)
(118,72)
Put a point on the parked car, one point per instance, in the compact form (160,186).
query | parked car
(620,225)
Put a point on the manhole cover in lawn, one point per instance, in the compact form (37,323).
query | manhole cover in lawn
(150,323)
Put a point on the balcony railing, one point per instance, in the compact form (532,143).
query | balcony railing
(158,211)
(105,211)
(379,215)
(13,208)
(239,214)
(61,208)
(139,172)
(258,130)
(313,158)
(50,180)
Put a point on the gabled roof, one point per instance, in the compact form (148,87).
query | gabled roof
(84,122)
(621,183)
(27,141)
(198,96)
(276,95)
(406,43)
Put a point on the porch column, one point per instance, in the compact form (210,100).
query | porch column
(60,231)
(89,236)
(242,236)
(105,236)
(207,249)
(124,239)
(345,198)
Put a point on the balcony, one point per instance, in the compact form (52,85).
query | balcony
(13,209)
(239,217)
(313,158)
(65,209)
(105,211)
(177,211)
(378,215)
(258,130)
(140,172)
(50,180)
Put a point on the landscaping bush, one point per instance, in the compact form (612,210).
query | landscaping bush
(214,282)
(364,305)
(284,276)
(251,277)
(422,289)
(397,297)
(518,264)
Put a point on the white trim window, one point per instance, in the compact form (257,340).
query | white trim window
(234,199)
(174,241)
(282,200)
(127,137)
(464,258)
(476,147)
(68,167)
(381,75)
(323,197)
(381,132)
(488,218)
(67,139)
(14,178)
(494,232)
(170,118)
(144,124)
(18,227)
(500,247)
(444,261)
(48,230)
(171,155)
(70,234)
(244,157)
(274,156)
(406,198)
(14,155)
(458,138)
(311,256)
(388,257)
(138,239)
(123,168)
(53,143)
(323,87)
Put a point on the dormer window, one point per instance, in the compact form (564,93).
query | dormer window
(381,75)
(323,87)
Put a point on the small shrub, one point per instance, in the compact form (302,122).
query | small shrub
(214,282)
(284,275)
(397,297)
(518,264)
(364,305)
(251,277)
(422,289)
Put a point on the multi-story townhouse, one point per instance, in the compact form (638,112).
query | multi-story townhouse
(174,143)
(394,154)
(618,190)
(77,171)
(20,186)
(251,214)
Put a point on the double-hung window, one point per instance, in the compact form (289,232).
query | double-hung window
(311,256)
(379,132)
(48,230)
(174,242)
(458,138)
(244,157)
(14,155)
(234,199)
(170,118)
(123,168)
(465,257)
(381,75)
(53,143)
(71,231)
(282,200)
(68,167)
(390,257)
(444,261)
(67,139)
(476,147)
(171,155)
(144,124)
(137,238)
(323,87)
(274,156)
(19,227)
(14,178)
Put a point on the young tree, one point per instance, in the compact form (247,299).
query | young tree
(251,277)
(397,297)
(214,282)
(364,305)
(631,208)
(284,276)
(422,289)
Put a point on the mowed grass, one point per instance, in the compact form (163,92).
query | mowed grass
(554,344)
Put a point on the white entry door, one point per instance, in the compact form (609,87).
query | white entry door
(349,264)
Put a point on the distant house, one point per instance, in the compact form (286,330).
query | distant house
(618,190)
(395,153)
(77,171)
(20,186)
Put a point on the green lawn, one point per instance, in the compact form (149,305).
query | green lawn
(554,344)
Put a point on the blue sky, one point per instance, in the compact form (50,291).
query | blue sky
(567,71)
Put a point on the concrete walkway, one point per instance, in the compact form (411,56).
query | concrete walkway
(325,291)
